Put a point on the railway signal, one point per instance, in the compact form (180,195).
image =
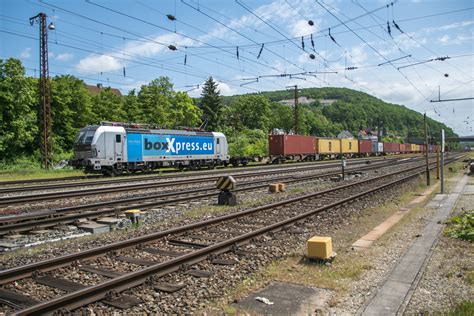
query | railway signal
(226,196)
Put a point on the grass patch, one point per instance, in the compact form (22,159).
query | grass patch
(25,169)
(470,277)
(461,227)
(461,309)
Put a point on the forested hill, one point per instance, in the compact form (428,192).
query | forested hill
(352,110)
(246,120)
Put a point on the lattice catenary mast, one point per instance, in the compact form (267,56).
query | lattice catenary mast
(44,117)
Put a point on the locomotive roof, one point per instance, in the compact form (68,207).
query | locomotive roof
(166,131)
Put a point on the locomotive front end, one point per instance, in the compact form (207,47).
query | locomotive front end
(84,151)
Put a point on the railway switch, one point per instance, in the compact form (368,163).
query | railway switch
(319,247)
(226,184)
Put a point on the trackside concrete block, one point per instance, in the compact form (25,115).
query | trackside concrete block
(95,228)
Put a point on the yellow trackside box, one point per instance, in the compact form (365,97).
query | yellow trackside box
(319,247)
(349,146)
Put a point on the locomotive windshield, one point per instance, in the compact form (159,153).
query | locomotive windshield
(85,135)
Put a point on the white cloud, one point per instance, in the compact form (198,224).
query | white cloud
(117,60)
(301,27)
(225,89)
(444,39)
(153,48)
(358,54)
(64,57)
(26,53)
(96,63)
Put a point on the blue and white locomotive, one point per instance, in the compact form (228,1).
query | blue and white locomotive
(113,148)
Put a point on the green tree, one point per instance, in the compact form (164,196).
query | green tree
(211,104)
(71,110)
(183,111)
(131,106)
(108,106)
(281,117)
(249,111)
(18,111)
(248,142)
(155,102)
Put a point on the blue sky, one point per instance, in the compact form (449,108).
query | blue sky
(129,47)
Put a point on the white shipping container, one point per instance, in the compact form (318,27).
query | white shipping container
(380,147)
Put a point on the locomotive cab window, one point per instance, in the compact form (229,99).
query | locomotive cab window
(350,145)
(217,141)
(118,138)
(330,146)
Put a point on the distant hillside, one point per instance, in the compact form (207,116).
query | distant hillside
(354,110)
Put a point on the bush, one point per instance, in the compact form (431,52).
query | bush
(461,226)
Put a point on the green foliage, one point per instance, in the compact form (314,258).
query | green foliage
(211,104)
(74,107)
(245,119)
(462,226)
(183,111)
(159,104)
(154,99)
(18,108)
(248,143)
(351,111)
(71,110)
(108,106)
(249,112)
(463,308)
(282,117)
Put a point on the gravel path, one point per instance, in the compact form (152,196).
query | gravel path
(449,275)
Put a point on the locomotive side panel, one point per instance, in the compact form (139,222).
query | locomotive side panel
(154,147)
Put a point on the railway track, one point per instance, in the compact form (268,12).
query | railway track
(36,197)
(172,250)
(63,216)
(158,174)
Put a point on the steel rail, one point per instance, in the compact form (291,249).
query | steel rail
(10,200)
(21,223)
(177,174)
(18,273)
(99,291)
(174,173)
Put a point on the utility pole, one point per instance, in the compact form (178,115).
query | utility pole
(437,161)
(296,110)
(442,161)
(44,116)
(296,107)
(426,152)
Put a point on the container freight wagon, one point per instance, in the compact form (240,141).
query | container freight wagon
(403,148)
(391,148)
(291,147)
(349,147)
(377,148)
(328,147)
(114,148)
(365,148)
